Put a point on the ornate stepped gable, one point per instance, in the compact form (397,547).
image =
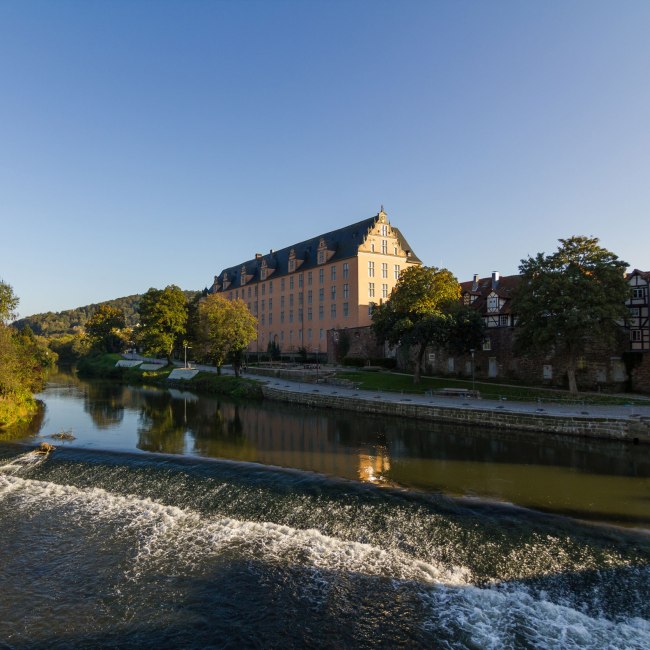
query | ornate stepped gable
(332,246)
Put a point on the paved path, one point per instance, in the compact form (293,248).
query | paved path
(571,410)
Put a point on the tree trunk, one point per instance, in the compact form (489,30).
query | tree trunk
(571,374)
(418,363)
(219,369)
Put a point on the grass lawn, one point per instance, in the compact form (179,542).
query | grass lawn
(398,382)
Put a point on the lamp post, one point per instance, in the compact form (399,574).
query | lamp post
(472,353)
(186,346)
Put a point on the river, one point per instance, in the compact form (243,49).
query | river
(173,520)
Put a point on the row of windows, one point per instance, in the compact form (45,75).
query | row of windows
(310,277)
(371,290)
(280,336)
(384,270)
(268,318)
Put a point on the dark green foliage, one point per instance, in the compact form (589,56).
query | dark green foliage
(568,299)
(342,345)
(163,320)
(274,350)
(104,329)
(72,320)
(466,330)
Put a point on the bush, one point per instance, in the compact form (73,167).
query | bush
(354,362)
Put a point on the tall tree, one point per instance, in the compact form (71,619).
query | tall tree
(163,318)
(419,310)
(8,302)
(569,298)
(226,328)
(104,329)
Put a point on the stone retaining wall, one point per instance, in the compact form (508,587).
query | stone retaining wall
(626,429)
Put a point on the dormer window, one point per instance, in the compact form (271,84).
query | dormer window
(263,270)
(292,261)
(384,230)
(322,252)
(493,302)
(242,276)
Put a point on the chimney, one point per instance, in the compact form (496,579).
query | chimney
(495,279)
(475,282)
(258,256)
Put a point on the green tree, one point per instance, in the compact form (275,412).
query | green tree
(466,330)
(8,302)
(568,299)
(226,329)
(419,310)
(163,318)
(104,329)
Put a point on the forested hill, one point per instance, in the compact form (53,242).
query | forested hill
(65,322)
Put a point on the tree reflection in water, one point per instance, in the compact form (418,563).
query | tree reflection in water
(104,402)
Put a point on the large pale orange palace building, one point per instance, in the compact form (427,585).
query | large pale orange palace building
(331,281)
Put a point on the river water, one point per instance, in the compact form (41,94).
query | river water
(173,521)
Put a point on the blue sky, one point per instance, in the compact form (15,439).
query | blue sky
(147,143)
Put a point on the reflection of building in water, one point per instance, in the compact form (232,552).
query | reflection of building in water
(299,438)
(374,468)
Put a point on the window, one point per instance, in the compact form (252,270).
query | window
(635,335)
(290,300)
(270,318)
(333,311)
(281,302)
(300,281)
(384,247)
(321,294)
(262,319)
(309,296)
(321,276)
(291,283)
(300,298)
(270,286)
(396,271)
(346,270)
(638,293)
(309,313)
(309,278)
(384,291)
(346,291)
(333,292)
(384,230)
(321,257)
(270,304)
(321,312)
(333,272)
(282,284)
(635,312)
(372,247)
(371,269)
(493,303)
(487,345)
(371,308)
(300,315)
(503,320)
(321,334)
(346,309)
(394,250)
(384,270)
(291,315)
(292,266)
(309,334)
(371,289)
(282,317)
(263,305)
(263,289)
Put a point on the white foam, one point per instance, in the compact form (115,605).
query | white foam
(488,618)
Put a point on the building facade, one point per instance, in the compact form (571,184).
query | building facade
(331,281)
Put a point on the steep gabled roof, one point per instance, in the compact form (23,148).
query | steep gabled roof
(343,243)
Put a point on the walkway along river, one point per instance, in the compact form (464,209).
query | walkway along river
(173,520)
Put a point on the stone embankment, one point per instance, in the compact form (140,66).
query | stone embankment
(632,427)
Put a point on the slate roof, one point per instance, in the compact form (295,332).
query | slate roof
(344,242)
(505,288)
(644,274)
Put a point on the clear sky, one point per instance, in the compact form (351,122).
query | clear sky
(147,143)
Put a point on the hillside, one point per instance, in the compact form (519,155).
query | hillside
(65,322)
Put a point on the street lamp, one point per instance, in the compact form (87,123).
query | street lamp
(186,346)
(472,353)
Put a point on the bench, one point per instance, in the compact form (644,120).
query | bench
(458,392)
